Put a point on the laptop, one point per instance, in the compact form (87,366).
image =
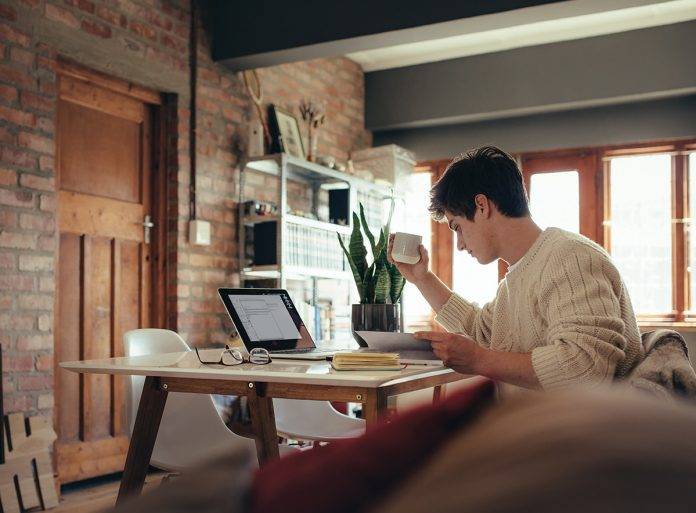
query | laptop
(268,318)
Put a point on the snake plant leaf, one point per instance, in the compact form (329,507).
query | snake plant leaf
(356,274)
(369,284)
(381,243)
(397,283)
(365,227)
(382,285)
(356,246)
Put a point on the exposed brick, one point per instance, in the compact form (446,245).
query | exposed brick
(17,240)
(8,33)
(15,116)
(38,382)
(36,302)
(96,28)
(61,15)
(46,284)
(83,5)
(35,263)
(16,198)
(8,93)
(19,403)
(45,402)
(15,321)
(47,203)
(6,136)
(39,222)
(35,142)
(46,243)
(45,163)
(34,342)
(45,125)
(143,30)
(16,282)
(8,219)
(8,260)
(8,177)
(8,12)
(22,57)
(19,158)
(111,16)
(17,362)
(36,102)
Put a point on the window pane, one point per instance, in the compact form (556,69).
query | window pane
(692,228)
(471,280)
(412,216)
(641,243)
(554,200)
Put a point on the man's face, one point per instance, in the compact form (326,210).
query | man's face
(473,236)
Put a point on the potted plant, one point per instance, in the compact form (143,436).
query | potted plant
(379,284)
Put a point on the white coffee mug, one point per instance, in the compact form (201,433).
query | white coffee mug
(405,248)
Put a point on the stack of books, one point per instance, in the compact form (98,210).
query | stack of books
(366,361)
(313,247)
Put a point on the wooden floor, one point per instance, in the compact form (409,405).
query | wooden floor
(96,495)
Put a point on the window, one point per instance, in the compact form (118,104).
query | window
(640,190)
(413,217)
(554,199)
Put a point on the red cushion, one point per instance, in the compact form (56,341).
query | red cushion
(350,474)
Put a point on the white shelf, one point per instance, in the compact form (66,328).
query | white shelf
(298,220)
(301,169)
(294,272)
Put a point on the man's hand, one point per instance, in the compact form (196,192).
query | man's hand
(458,352)
(412,272)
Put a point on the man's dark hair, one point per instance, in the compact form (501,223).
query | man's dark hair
(487,170)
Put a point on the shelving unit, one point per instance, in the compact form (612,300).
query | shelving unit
(308,258)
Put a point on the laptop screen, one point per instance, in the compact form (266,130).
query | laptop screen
(266,318)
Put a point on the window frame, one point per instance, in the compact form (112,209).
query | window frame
(593,166)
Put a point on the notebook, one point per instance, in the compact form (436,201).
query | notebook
(366,361)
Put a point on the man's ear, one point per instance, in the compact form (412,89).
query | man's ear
(483,205)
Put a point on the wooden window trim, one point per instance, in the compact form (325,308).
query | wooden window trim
(595,198)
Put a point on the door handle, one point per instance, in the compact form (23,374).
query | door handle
(147,226)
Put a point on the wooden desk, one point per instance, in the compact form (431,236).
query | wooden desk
(289,379)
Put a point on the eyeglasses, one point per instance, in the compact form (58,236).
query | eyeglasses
(230,357)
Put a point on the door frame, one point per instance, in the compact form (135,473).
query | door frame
(160,106)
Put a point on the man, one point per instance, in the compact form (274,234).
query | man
(561,316)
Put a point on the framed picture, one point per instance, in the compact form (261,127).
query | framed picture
(285,131)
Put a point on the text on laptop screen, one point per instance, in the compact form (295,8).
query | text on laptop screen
(265,317)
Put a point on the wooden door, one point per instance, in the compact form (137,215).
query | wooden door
(103,272)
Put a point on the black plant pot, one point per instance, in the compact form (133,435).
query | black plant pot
(375,318)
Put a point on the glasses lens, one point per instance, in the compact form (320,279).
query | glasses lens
(259,356)
(232,357)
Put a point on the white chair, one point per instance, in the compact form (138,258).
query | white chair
(191,429)
(314,421)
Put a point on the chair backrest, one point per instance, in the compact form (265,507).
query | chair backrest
(191,429)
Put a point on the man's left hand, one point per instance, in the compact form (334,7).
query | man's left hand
(459,352)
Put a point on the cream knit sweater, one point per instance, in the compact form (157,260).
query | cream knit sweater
(564,302)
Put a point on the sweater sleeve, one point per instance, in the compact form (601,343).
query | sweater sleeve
(580,296)
(461,316)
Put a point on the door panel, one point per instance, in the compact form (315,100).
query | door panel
(103,148)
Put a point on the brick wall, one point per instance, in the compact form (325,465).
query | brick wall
(145,42)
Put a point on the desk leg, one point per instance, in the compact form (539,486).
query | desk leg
(142,441)
(263,423)
(375,406)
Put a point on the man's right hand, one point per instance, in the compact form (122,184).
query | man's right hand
(412,272)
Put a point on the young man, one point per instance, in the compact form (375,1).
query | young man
(561,316)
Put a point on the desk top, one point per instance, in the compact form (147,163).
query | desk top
(186,365)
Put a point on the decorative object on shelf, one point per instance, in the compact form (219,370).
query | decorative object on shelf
(255,140)
(380,284)
(326,160)
(389,162)
(314,116)
(26,473)
(253,87)
(259,208)
(285,132)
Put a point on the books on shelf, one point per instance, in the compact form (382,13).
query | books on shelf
(366,361)
(311,247)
